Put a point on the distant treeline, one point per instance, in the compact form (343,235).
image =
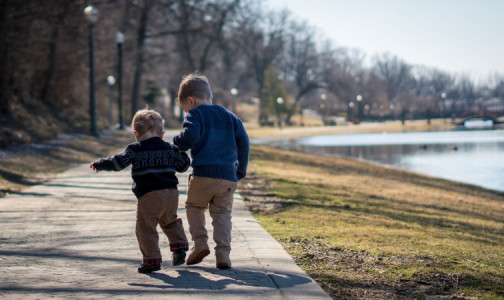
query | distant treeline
(265,55)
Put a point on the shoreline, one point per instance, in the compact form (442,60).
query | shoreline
(365,127)
(356,145)
(387,166)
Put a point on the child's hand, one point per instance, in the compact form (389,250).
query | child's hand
(93,167)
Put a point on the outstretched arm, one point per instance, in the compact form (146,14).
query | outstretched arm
(91,165)
(115,162)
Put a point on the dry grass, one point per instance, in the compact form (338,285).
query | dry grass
(30,168)
(389,126)
(363,230)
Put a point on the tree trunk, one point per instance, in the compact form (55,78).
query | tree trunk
(51,57)
(139,60)
(4,105)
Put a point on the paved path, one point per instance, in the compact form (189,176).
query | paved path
(73,238)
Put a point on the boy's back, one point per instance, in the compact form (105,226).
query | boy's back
(218,142)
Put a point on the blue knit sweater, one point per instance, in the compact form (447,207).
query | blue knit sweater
(219,144)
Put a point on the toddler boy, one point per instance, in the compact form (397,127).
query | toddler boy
(154,163)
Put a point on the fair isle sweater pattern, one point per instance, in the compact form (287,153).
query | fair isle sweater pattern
(154,163)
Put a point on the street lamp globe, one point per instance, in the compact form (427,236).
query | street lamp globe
(234,92)
(443,95)
(323,96)
(351,104)
(91,13)
(359,98)
(111,80)
(280,100)
(119,37)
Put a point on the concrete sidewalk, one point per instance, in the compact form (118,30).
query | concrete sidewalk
(74,237)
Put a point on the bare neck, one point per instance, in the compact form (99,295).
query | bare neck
(203,102)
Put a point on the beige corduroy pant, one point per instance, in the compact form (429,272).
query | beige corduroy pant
(159,207)
(216,195)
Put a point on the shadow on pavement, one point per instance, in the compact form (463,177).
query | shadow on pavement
(49,253)
(194,279)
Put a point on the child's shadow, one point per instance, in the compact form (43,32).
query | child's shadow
(220,279)
(186,280)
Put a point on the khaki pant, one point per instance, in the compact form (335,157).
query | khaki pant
(159,207)
(217,195)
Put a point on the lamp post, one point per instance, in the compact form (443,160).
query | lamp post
(323,96)
(351,110)
(234,92)
(279,101)
(119,41)
(359,107)
(111,80)
(91,15)
(443,97)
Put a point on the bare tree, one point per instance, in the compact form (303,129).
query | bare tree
(341,73)
(467,92)
(398,81)
(4,105)
(300,62)
(141,35)
(262,41)
(497,87)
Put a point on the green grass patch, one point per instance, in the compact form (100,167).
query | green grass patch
(355,226)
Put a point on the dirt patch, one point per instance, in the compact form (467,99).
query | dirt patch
(351,274)
(255,192)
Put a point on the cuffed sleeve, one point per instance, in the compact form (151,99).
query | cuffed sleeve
(182,161)
(243,149)
(115,162)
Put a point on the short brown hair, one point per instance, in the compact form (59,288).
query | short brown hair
(147,119)
(194,85)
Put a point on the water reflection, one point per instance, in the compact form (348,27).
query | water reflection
(475,157)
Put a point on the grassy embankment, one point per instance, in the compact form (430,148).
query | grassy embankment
(365,230)
(29,168)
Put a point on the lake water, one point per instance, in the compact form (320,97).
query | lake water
(475,157)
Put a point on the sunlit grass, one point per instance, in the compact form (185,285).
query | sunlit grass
(255,131)
(434,225)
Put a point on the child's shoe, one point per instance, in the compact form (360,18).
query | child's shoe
(149,268)
(198,252)
(223,260)
(178,256)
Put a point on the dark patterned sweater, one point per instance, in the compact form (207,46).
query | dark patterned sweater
(154,163)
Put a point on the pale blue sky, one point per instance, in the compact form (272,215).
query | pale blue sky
(457,36)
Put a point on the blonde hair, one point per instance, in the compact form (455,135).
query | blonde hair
(147,119)
(194,85)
